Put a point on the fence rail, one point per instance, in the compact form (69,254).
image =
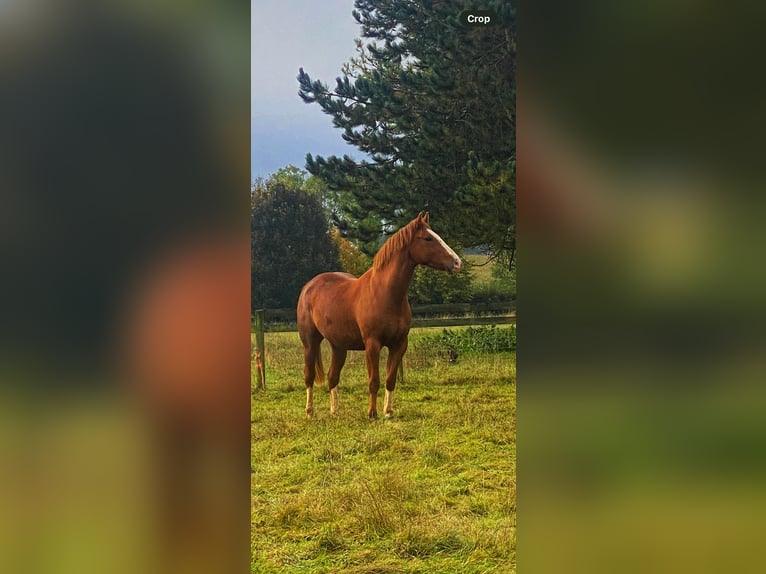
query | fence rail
(463,321)
(447,314)
(260,348)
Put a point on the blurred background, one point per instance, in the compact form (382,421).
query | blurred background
(641,332)
(124,300)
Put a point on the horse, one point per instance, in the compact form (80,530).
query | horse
(368,313)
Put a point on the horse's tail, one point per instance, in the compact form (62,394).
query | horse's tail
(319,368)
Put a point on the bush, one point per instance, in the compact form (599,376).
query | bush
(352,260)
(479,340)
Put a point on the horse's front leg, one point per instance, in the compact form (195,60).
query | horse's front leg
(338,360)
(372,355)
(395,355)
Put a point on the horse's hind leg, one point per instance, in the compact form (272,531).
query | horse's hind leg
(372,356)
(311,350)
(395,355)
(333,377)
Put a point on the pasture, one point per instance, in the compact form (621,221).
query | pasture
(432,490)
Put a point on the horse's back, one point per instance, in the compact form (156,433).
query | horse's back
(322,284)
(326,304)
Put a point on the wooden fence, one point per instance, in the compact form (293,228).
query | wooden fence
(442,315)
(449,315)
(259,326)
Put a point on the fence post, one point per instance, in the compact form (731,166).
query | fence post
(260,352)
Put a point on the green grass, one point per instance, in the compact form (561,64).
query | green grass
(432,490)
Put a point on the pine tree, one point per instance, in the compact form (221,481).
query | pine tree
(432,105)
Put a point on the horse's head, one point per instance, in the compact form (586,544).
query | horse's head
(427,248)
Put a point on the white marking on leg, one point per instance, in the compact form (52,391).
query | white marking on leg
(334,400)
(448,249)
(388,409)
(309,400)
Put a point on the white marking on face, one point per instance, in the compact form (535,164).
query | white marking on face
(447,248)
(334,400)
(389,402)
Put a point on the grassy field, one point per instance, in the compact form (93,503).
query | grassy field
(432,490)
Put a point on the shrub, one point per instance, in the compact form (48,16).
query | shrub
(481,339)
(352,259)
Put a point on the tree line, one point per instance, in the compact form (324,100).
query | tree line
(292,240)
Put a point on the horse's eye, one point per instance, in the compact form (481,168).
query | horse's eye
(428,238)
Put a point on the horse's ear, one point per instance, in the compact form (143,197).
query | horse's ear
(425,216)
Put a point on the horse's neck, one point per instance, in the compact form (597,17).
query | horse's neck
(394,278)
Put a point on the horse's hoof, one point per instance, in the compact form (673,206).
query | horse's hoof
(389,415)
(373,415)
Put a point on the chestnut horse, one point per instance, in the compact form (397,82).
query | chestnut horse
(368,313)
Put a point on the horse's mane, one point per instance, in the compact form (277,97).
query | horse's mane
(395,243)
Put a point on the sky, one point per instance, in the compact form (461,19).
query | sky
(285,36)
